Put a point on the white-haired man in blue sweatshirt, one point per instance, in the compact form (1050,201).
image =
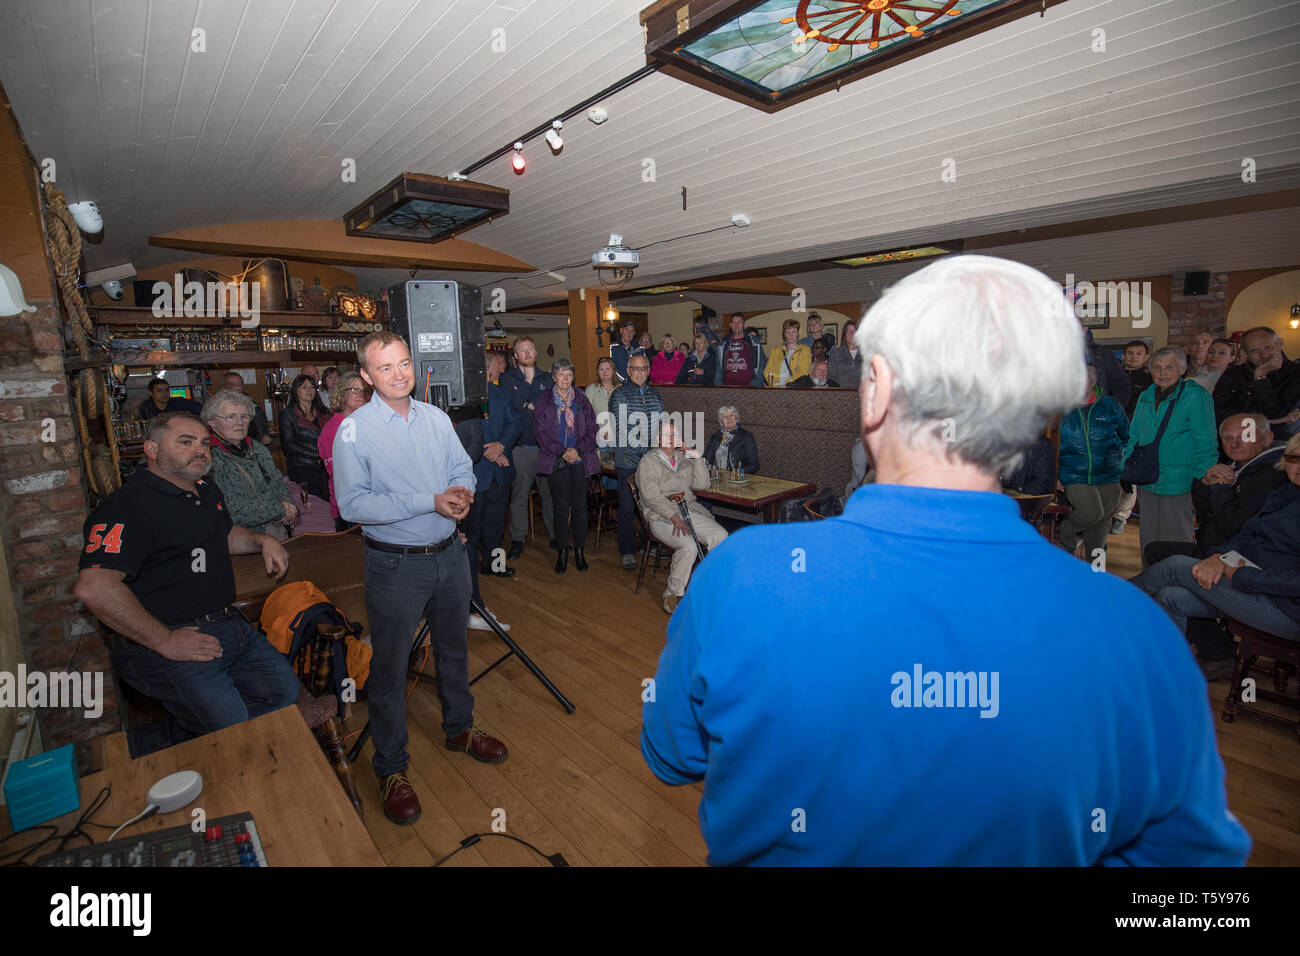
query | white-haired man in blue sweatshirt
(942,718)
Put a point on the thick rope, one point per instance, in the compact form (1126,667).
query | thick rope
(64,246)
(64,240)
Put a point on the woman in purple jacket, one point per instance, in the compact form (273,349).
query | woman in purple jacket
(565,425)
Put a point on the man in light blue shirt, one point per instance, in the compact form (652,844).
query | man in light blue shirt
(402,474)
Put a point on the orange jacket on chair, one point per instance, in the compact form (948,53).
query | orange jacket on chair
(281,610)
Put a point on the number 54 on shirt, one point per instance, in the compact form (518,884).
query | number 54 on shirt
(111,542)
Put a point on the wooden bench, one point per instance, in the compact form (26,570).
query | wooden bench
(332,562)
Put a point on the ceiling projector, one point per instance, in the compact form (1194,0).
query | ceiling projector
(615,255)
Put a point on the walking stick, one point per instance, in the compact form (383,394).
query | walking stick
(685,512)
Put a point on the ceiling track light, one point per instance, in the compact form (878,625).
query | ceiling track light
(553,138)
(600,116)
(517,162)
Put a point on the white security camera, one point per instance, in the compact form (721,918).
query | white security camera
(114,289)
(87,216)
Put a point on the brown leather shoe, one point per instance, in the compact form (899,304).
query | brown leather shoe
(401,805)
(479,746)
(670,602)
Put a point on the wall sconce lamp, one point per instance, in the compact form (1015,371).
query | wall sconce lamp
(1295,316)
(607,314)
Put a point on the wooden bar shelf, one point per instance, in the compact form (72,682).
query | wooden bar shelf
(245,359)
(130,316)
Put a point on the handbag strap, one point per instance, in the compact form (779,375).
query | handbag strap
(1169,410)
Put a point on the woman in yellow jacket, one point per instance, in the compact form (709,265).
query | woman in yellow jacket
(790,361)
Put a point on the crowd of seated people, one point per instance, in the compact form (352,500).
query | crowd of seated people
(1202,495)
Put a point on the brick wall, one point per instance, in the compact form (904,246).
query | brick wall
(1190,314)
(43,504)
(42,488)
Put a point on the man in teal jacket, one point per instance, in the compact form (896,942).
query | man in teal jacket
(1187,449)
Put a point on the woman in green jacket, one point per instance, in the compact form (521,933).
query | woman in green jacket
(1188,448)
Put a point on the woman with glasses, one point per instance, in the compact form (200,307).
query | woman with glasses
(300,426)
(349,394)
(257,495)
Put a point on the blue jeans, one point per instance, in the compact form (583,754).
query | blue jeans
(401,589)
(1171,584)
(249,679)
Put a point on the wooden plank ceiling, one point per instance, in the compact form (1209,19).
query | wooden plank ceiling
(1042,130)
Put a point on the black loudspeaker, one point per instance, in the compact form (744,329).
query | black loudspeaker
(443,323)
(1196,283)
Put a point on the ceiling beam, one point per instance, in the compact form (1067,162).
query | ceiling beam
(1134,220)
(316,240)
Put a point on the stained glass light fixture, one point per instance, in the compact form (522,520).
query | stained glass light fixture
(773,53)
(660,289)
(426,209)
(897,255)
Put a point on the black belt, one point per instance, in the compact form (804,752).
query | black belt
(226,612)
(442,545)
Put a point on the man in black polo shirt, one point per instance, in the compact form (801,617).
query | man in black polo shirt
(160,401)
(156,571)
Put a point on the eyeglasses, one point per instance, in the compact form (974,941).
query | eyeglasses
(1292,459)
(354,389)
(233,419)
(638,368)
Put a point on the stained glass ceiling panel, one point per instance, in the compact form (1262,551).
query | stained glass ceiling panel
(776,52)
(779,45)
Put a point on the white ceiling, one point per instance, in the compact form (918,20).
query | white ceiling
(1042,129)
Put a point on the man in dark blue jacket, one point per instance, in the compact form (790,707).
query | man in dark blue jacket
(525,384)
(625,348)
(489,442)
(1111,376)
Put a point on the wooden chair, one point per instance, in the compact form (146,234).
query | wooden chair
(314,664)
(1285,654)
(1049,519)
(1032,507)
(653,547)
(334,563)
(603,502)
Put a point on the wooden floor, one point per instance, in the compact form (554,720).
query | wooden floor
(576,783)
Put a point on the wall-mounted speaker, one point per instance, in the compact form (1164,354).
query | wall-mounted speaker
(443,323)
(1196,283)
